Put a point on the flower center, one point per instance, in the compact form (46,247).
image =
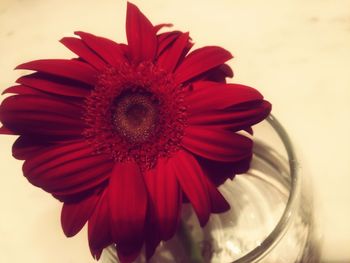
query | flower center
(135,112)
(135,116)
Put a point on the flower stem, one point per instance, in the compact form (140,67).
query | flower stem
(191,248)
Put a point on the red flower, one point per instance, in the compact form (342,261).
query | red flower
(125,134)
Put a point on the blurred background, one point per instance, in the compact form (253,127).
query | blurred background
(297,53)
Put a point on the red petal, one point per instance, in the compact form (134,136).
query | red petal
(165,197)
(160,26)
(23,90)
(190,177)
(47,83)
(169,59)
(67,169)
(152,239)
(75,215)
(233,118)
(217,144)
(128,253)
(217,201)
(48,151)
(99,229)
(30,114)
(4,130)
(107,49)
(82,50)
(26,90)
(207,95)
(72,69)
(152,233)
(226,70)
(166,39)
(217,172)
(201,60)
(141,35)
(26,147)
(218,74)
(249,130)
(128,203)
(243,165)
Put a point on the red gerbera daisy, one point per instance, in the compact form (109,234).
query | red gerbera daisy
(124,134)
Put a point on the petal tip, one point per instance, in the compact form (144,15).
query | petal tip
(20,66)
(80,33)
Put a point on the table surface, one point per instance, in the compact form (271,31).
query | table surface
(297,53)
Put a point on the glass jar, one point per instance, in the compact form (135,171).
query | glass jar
(271,215)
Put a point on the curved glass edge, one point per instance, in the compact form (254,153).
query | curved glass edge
(282,226)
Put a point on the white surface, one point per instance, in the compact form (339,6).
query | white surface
(297,53)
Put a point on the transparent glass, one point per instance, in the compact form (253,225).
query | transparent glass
(270,219)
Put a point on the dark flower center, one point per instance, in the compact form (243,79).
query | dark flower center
(135,112)
(135,116)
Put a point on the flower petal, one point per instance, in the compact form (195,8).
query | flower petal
(218,203)
(218,74)
(166,39)
(75,215)
(160,26)
(68,169)
(233,118)
(217,172)
(23,90)
(169,59)
(190,177)
(201,60)
(210,95)
(128,253)
(54,85)
(25,147)
(141,35)
(4,130)
(72,69)
(217,144)
(99,228)
(128,203)
(108,50)
(230,106)
(26,90)
(165,197)
(82,50)
(153,238)
(34,115)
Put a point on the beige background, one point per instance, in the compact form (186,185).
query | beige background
(296,52)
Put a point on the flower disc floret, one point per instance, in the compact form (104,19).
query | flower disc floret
(135,112)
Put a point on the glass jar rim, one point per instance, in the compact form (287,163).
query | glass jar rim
(280,229)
